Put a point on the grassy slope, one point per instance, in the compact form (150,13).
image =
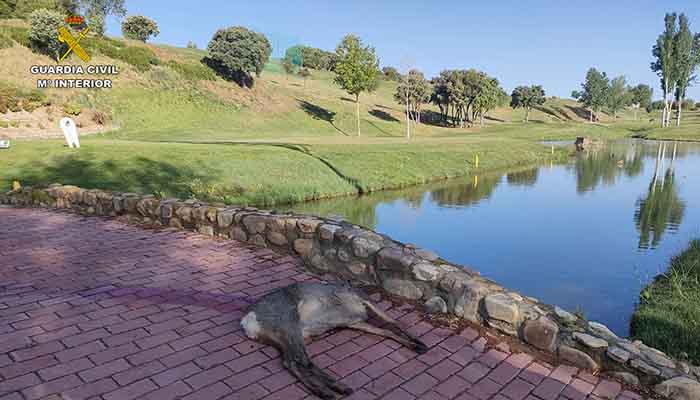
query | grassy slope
(668,316)
(285,140)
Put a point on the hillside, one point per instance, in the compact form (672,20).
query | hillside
(178,99)
(171,127)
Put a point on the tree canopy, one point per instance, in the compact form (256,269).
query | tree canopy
(356,69)
(527,97)
(594,93)
(391,74)
(640,96)
(413,90)
(464,95)
(238,53)
(310,57)
(97,12)
(618,95)
(138,27)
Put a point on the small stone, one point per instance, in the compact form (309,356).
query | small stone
(466,299)
(319,262)
(394,258)
(577,358)
(225,218)
(644,367)
(327,231)
(618,354)
(629,347)
(426,272)
(541,333)
(565,315)
(308,225)
(589,341)
(403,288)
(304,247)
(436,305)
(626,377)
(357,268)
(502,307)
(344,255)
(601,330)
(680,388)
(426,255)
(239,234)
(254,224)
(657,357)
(365,246)
(277,238)
(258,240)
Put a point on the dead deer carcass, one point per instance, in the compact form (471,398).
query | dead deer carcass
(284,318)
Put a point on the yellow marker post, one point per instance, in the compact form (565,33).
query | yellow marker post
(476,160)
(16,186)
(476,181)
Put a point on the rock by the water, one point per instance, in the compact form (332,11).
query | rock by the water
(577,358)
(426,272)
(618,354)
(565,315)
(435,305)
(626,377)
(589,341)
(680,388)
(500,306)
(601,330)
(641,366)
(403,288)
(541,333)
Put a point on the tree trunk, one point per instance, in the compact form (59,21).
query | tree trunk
(527,114)
(680,108)
(636,109)
(357,112)
(408,119)
(590,115)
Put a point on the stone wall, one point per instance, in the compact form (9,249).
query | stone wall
(367,258)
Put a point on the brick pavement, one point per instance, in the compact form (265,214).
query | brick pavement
(92,308)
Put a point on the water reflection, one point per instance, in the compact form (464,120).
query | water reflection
(662,208)
(586,233)
(523,178)
(481,188)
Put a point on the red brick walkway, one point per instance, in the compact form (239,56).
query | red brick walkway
(95,309)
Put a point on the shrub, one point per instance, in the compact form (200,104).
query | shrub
(14,99)
(391,74)
(5,10)
(101,117)
(138,27)
(192,72)
(72,108)
(43,34)
(191,45)
(237,53)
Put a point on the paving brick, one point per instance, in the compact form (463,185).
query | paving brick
(132,391)
(105,370)
(420,384)
(64,369)
(137,373)
(19,383)
(91,390)
(13,370)
(80,351)
(37,351)
(56,386)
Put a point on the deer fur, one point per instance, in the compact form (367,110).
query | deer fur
(287,316)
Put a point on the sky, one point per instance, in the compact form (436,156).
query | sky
(549,43)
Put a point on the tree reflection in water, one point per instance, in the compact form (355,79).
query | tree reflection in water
(662,208)
(523,178)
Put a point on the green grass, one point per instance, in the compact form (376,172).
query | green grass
(668,316)
(253,173)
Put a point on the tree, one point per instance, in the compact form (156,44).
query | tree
(237,53)
(43,30)
(527,97)
(686,59)
(391,74)
(305,73)
(664,65)
(98,10)
(489,98)
(191,45)
(640,97)
(595,92)
(464,95)
(288,66)
(618,97)
(138,27)
(414,87)
(356,69)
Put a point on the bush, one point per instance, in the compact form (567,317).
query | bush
(237,53)
(191,45)
(14,99)
(138,27)
(101,117)
(192,72)
(43,34)
(71,108)
(391,74)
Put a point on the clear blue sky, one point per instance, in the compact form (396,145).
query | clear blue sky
(520,42)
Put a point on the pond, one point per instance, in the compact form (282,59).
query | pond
(586,235)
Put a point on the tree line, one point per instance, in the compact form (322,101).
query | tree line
(598,93)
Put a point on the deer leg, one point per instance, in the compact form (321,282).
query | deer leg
(330,381)
(405,339)
(313,383)
(418,346)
